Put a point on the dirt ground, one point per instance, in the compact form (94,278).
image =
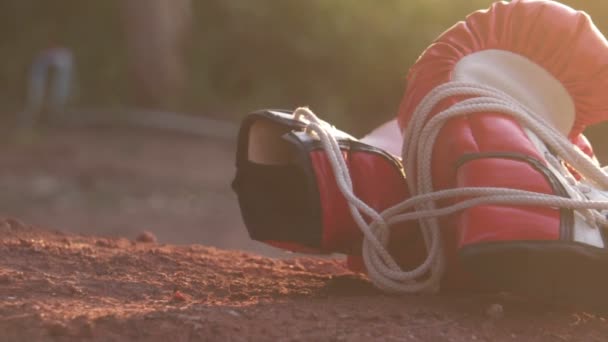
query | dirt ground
(119,182)
(74,270)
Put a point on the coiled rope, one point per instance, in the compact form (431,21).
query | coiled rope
(419,139)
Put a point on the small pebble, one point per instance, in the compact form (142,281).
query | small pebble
(178,296)
(495,311)
(234,313)
(146,237)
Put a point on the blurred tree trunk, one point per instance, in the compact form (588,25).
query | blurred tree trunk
(157,34)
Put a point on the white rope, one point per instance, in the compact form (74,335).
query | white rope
(420,137)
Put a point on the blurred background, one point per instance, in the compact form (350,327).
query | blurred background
(206,59)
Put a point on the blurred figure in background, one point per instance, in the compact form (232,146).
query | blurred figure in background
(50,84)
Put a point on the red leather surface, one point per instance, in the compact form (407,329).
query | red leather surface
(339,230)
(499,223)
(375,180)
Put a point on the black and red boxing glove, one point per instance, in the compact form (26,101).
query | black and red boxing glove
(287,191)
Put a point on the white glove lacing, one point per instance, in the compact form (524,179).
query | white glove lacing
(419,138)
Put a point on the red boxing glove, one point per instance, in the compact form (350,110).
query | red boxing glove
(553,61)
(287,190)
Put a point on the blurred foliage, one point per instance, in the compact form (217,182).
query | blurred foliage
(346,59)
